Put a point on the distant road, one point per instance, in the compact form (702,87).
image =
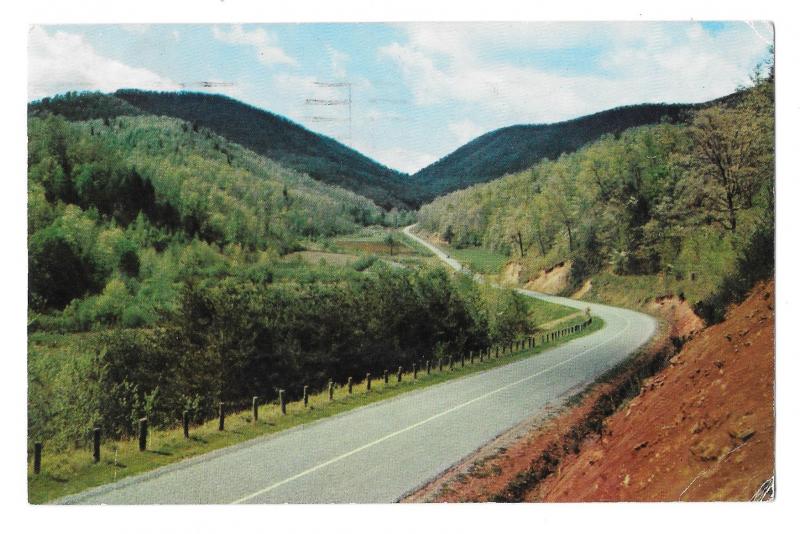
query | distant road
(382,451)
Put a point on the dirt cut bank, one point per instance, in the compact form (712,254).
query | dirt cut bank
(701,428)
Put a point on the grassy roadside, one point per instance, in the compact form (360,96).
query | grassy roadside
(70,472)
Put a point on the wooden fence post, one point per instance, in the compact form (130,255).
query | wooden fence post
(222,416)
(399,374)
(462,359)
(37,457)
(255,409)
(143,434)
(186,424)
(282,400)
(330,389)
(349,385)
(96,444)
(450,362)
(305,396)
(440,365)
(414,370)
(369,382)
(385,376)
(428,366)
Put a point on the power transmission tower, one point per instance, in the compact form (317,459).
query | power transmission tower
(334,102)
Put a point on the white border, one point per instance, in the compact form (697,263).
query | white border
(588,518)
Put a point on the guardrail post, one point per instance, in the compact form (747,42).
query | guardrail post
(385,376)
(305,396)
(255,409)
(222,416)
(186,424)
(37,457)
(96,444)
(282,400)
(349,385)
(399,374)
(143,434)
(369,381)
(414,370)
(330,389)
(427,366)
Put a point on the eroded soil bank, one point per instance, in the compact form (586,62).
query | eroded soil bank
(700,428)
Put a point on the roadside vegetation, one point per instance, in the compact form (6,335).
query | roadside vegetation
(690,206)
(72,470)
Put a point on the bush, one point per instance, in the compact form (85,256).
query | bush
(756,262)
(364,262)
(56,272)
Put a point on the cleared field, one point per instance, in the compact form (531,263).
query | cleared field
(314,257)
(478,259)
(374,247)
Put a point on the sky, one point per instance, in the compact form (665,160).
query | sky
(407,94)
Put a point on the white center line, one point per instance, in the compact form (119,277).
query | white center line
(424,421)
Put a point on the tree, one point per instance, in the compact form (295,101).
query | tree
(448,233)
(563,198)
(56,272)
(733,153)
(391,242)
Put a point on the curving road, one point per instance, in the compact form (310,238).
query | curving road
(382,451)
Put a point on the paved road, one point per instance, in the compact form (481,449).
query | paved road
(380,452)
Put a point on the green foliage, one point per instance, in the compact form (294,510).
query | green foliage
(57,272)
(83,106)
(644,202)
(364,262)
(515,148)
(755,262)
(149,202)
(279,139)
(232,337)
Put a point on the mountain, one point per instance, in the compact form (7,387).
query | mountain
(494,154)
(279,139)
(514,148)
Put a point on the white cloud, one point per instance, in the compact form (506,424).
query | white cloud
(465,130)
(338,62)
(266,44)
(65,61)
(480,64)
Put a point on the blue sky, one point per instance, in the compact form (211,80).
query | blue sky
(419,90)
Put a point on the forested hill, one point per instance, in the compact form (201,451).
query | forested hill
(515,148)
(279,139)
(686,201)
